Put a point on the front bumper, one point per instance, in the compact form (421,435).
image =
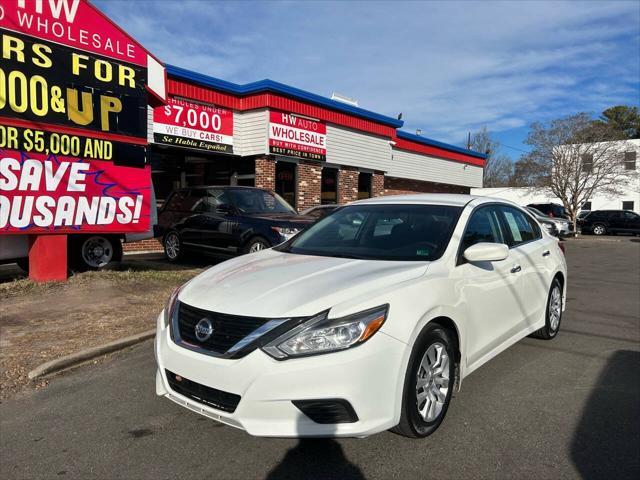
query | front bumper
(370,377)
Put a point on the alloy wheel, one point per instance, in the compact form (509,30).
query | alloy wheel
(598,230)
(555,308)
(432,383)
(256,247)
(172,246)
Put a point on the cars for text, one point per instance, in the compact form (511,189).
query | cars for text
(226,220)
(365,321)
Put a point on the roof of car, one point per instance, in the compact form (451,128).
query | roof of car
(458,200)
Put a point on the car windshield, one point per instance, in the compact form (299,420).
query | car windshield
(379,232)
(248,200)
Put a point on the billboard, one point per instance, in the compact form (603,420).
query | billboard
(295,136)
(184,123)
(73,121)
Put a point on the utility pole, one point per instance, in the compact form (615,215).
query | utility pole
(469,141)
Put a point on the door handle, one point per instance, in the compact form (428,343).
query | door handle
(516,269)
(546,253)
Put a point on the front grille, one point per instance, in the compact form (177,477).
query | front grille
(227,329)
(326,411)
(225,401)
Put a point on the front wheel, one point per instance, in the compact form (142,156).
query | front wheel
(553,315)
(256,244)
(599,229)
(428,384)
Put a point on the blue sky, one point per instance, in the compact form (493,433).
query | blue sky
(450,67)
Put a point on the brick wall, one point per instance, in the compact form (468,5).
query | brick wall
(347,185)
(309,185)
(151,245)
(401,186)
(265,173)
(377,184)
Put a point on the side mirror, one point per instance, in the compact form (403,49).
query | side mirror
(224,208)
(486,252)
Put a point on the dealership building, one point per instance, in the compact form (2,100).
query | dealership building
(310,149)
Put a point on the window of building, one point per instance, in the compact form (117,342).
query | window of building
(364,185)
(586,206)
(329,191)
(628,205)
(587,163)
(286,182)
(629,160)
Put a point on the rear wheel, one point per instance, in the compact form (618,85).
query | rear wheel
(599,229)
(93,252)
(553,314)
(428,384)
(173,249)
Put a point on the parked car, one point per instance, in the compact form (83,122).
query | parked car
(226,220)
(367,320)
(601,222)
(553,210)
(319,211)
(558,227)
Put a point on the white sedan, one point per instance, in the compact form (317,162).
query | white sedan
(365,321)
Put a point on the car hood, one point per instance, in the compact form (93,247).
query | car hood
(284,218)
(276,284)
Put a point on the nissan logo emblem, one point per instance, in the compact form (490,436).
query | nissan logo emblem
(204,329)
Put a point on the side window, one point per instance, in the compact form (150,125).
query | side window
(175,201)
(520,228)
(214,198)
(483,226)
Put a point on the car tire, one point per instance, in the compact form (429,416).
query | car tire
(256,244)
(173,248)
(432,363)
(599,229)
(553,314)
(94,252)
(23,264)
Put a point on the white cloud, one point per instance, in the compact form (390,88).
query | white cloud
(449,66)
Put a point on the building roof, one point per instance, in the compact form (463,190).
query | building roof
(276,87)
(434,143)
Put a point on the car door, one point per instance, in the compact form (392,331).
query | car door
(631,222)
(491,291)
(533,251)
(218,218)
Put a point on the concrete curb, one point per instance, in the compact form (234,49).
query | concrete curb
(82,356)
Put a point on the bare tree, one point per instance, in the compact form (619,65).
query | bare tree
(498,168)
(575,159)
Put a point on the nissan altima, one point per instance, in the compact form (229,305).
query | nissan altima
(367,320)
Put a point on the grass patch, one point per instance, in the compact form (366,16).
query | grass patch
(25,287)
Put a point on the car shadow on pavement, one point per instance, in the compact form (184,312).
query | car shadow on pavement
(315,458)
(606,443)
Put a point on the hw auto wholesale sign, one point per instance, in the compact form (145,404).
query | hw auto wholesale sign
(73,99)
(193,125)
(296,136)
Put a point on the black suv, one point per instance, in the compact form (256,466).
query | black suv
(550,209)
(601,222)
(226,220)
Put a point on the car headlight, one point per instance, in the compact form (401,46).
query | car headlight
(286,232)
(548,226)
(320,334)
(171,305)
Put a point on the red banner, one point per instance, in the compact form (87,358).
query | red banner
(48,193)
(74,23)
(193,125)
(296,136)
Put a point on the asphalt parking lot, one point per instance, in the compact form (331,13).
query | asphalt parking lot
(569,408)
